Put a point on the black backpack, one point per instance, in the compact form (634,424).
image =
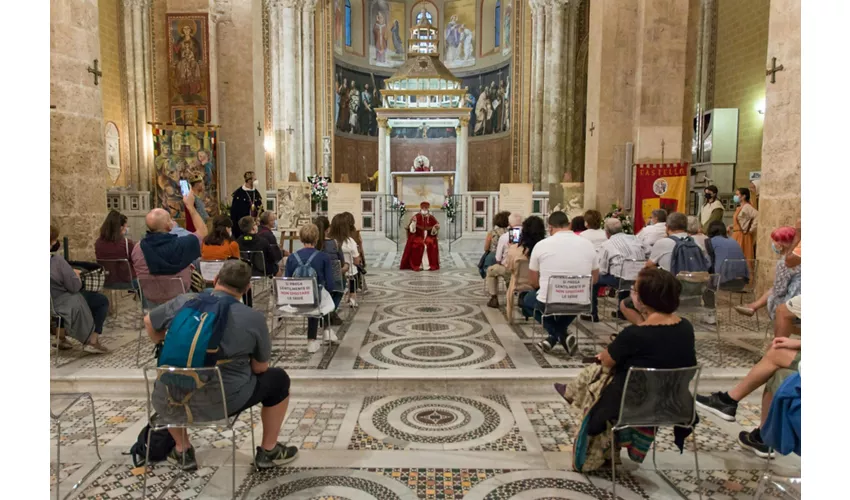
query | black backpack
(161,445)
(687,256)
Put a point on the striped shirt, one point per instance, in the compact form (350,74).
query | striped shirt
(618,247)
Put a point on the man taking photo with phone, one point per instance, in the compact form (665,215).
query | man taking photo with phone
(197,189)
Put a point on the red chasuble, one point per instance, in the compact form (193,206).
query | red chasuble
(419,242)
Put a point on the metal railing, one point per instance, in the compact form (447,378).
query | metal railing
(392,219)
(455,224)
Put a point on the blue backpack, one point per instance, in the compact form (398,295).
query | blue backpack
(193,339)
(304,269)
(687,257)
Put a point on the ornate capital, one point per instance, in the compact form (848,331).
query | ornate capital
(220,11)
(138,4)
(464,121)
(289,4)
(382,121)
(309,6)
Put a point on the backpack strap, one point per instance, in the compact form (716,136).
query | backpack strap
(298,258)
(310,259)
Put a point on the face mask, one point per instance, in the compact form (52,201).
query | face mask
(54,247)
(708,196)
(423,212)
(736,199)
(126,231)
(775,248)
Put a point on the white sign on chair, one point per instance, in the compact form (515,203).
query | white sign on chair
(210,269)
(569,290)
(295,292)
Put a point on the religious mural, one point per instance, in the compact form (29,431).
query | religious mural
(387,34)
(355,98)
(184,153)
(507,16)
(423,132)
(490,99)
(459,44)
(188,63)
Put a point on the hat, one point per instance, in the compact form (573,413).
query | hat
(424,204)
(795,305)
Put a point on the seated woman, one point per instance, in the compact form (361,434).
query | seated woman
(786,283)
(328,245)
(663,340)
(219,244)
(500,226)
(726,257)
(533,232)
(83,313)
(113,244)
(320,262)
(577,224)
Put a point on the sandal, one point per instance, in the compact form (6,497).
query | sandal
(746,311)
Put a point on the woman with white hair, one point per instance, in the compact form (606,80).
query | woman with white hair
(694,232)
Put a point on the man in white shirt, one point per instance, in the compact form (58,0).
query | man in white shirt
(653,232)
(662,251)
(562,253)
(498,270)
(618,247)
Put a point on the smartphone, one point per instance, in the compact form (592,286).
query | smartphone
(588,360)
(514,234)
(184,187)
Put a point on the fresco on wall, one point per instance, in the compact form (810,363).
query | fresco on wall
(188,63)
(507,20)
(490,99)
(387,34)
(184,153)
(423,132)
(459,43)
(354,101)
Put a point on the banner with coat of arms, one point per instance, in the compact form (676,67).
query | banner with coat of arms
(659,185)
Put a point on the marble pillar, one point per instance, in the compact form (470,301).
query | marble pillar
(568,107)
(462,175)
(274,11)
(779,192)
(539,51)
(138,89)
(78,176)
(382,156)
(553,138)
(290,85)
(389,168)
(308,76)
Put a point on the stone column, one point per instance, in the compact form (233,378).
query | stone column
(78,176)
(553,138)
(274,9)
(388,156)
(290,86)
(462,173)
(382,155)
(308,76)
(568,103)
(779,192)
(539,51)
(139,90)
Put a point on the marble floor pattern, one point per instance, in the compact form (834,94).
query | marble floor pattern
(429,394)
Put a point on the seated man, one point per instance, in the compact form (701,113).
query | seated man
(261,264)
(268,221)
(562,253)
(499,270)
(618,247)
(656,230)
(246,376)
(162,255)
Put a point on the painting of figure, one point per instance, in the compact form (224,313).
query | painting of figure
(459,34)
(386,33)
(188,62)
(490,100)
(506,29)
(357,96)
(184,154)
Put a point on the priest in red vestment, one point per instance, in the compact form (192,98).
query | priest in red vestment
(422,252)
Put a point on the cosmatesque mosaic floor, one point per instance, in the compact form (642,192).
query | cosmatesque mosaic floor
(429,394)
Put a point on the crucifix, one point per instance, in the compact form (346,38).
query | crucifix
(259,130)
(592,128)
(290,130)
(771,72)
(97,73)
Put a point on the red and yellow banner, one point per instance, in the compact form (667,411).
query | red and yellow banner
(659,185)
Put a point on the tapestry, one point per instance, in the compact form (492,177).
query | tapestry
(188,68)
(659,186)
(184,153)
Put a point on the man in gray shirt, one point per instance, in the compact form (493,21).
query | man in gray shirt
(245,349)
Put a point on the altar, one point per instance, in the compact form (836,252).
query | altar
(415,187)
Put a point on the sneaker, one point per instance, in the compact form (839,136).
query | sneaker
(184,461)
(716,405)
(279,455)
(709,319)
(95,349)
(330,336)
(570,343)
(494,302)
(313,346)
(64,345)
(746,311)
(352,302)
(752,441)
(545,345)
(335,319)
(589,317)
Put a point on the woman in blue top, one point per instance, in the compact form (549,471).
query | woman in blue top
(309,235)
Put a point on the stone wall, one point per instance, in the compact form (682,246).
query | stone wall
(78,177)
(739,75)
(779,199)
(109,28)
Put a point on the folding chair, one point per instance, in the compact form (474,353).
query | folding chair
(114,283)
(69,399)
(654,397)
(169,289)
(696,286)
(189,398)
(296,298)
(59,322)
(568,295)
(747,271)
(257,257)
(338,279)
(512,294)
(629,270)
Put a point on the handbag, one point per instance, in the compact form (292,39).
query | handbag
(92,275)
(482,263)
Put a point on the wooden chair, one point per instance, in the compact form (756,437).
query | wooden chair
(519,275)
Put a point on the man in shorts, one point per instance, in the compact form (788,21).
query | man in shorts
(246,376)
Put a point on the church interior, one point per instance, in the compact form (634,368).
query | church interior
(316,108)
